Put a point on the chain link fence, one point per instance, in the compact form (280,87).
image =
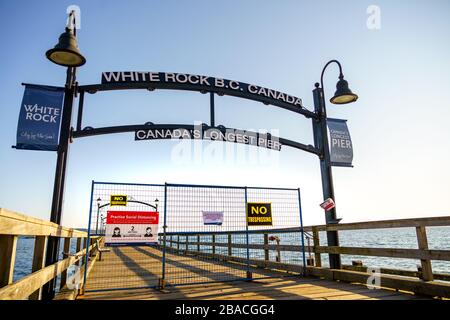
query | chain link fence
(159,235)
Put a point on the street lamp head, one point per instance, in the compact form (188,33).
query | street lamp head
(66,52)
(343,94)
(156,201)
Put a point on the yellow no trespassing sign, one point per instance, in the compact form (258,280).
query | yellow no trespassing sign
(118,200)
(259,214)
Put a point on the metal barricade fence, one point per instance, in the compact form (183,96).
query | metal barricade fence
(202,234)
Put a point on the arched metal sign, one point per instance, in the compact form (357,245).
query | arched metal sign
(127,80)
(192,82)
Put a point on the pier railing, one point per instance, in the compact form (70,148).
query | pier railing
(421,281)
(14,225)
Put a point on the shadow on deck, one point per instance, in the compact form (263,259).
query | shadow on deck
(133,273)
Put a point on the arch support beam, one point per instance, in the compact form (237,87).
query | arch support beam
(204,132)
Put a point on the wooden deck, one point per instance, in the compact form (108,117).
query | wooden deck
(132,267)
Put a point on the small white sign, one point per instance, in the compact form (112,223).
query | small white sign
(328,204)
(212,218)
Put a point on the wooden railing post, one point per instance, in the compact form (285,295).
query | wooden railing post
(198,243)
(316,241)
(178,244)
(427,272)
(39,254)
(266,246)
(92,241)
(66,252)
(78,249)
(8,246)
(187,243)
(230,249)
(213,244)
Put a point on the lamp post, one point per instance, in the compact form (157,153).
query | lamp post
(156,204)
(343,95)
(65,53)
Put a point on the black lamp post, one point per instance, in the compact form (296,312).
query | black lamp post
(343,95)
(65,53)
(156,204)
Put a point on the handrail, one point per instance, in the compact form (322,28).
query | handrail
(14,225)
(183,243)
(385,224)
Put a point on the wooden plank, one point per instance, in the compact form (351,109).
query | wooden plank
(39,254)
(429,288)
(12,223)
(8,246)
(283,247)
(427,272)
(388,252)
(398,272)
(385,224)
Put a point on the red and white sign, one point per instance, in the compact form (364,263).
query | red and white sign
(328,204)
(131,227)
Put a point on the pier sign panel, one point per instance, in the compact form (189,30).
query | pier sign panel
(183,81)
(131,227)
(40,118)
(118,200)
(259,214)
(212,133)
(341,148)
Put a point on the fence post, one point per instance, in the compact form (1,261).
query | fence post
(162,282)
(8,246)
(40,249)
(86,240)
(213,244)
(316,241)
(178,244)
(427,272)
(302,232)
(198,243)
(249,274)
(230,250)
(187,243)
(266,246)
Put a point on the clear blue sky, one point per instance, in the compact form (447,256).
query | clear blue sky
(399,126)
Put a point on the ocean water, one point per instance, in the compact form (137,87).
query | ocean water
(438,238)
(24,256)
